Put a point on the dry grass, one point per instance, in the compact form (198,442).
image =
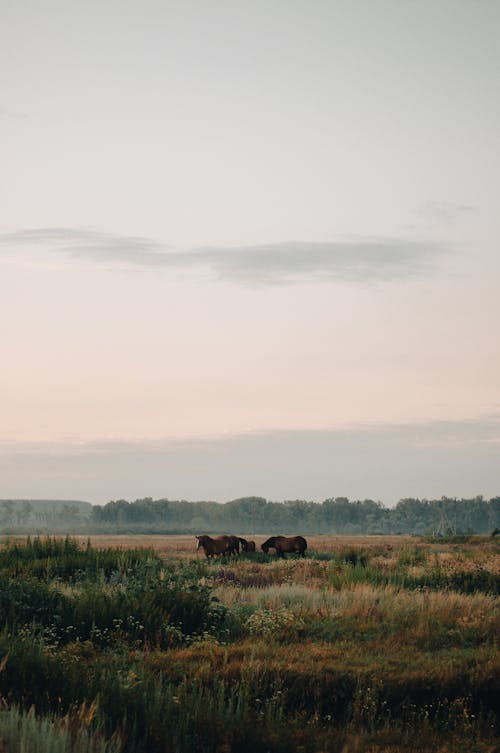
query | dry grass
(412,616)
(345,636)
(385,553)
(185,545)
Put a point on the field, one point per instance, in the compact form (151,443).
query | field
(141,645)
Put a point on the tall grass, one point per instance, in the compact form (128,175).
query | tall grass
(48,558)
(245,654)
(23,731)
(204,697)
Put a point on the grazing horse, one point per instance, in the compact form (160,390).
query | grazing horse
(284,544)
(247,546)
(235,544)
(218,545)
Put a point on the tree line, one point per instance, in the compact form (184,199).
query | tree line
(43,514)
(338,515)
(445,516)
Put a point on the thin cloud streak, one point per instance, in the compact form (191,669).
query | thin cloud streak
(362,260)
(93,245)
(445,433)
(6,114)
(443,212)
(355,261)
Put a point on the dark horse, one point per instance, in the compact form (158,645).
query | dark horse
(246,546)
(218,545)
(284,544)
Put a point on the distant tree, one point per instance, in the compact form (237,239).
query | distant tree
(494,512)
(7,511)
(70,515)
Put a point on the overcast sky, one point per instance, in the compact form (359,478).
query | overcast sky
(249,248)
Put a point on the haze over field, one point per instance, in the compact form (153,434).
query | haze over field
(249,248)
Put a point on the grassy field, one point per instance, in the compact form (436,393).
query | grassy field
(140,644)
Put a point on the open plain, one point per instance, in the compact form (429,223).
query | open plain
(140,643)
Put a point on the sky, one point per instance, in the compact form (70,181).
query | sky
(249,248)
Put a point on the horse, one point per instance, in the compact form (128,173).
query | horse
(218,545)
(247,546)
(284,544)
(235,544)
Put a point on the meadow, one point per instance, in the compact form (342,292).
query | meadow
(141,645)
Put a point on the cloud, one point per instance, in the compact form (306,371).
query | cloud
(356,260)
(443,212)
(456,458)
(88,244)
(6,114)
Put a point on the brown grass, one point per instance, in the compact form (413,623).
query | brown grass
(185,545)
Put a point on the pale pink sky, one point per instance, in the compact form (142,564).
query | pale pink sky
(254,219)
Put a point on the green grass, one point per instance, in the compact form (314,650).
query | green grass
(64,559)
(25,732)
(327,653)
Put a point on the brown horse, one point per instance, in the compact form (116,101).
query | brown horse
(247,546)
(235,544)
(214,546)
(284,544)
(218,545)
